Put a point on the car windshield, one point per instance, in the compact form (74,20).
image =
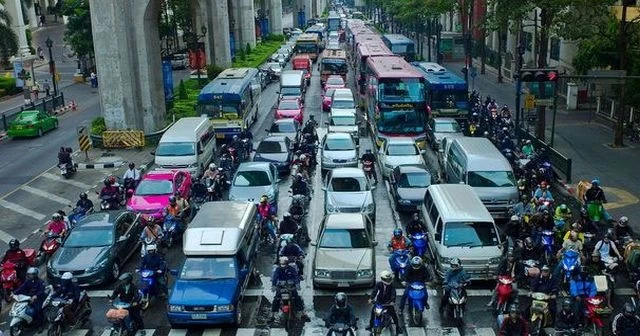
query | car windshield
(22,117)
(344,239)
(288,105)
(210,268)
(402,149)
(270,147)
(90,236)
(343,104)
(447,127)
(290,91)
(252,178)
(471,234)
(491,179)
(339,144)
(348,184)
(176,149)
(414,180)
(343,120)
(154,187)
(283,128)
(335,81)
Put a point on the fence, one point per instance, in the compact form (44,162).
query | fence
(47,104)
(559,162)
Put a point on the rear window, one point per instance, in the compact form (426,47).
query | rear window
(470,234)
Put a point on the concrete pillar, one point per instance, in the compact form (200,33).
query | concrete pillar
(308,9)
(33,18)
(246,23)
(128,63)
(234,21)
(314,8)
(217,40)
(297,6)
(275,16)
(14,8)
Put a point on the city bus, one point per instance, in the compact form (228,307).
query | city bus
(362,35)
(447,94)
(231,101)
(400,45)
(365,51)
(333,62)
(308,44)
(395,100)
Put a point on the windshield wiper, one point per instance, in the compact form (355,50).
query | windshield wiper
(468,244)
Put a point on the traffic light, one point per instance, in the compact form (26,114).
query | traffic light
(539,75)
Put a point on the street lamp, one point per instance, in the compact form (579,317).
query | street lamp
(192,39)
(52,67)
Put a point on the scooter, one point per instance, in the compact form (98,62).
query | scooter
(78,214)
(457,303)
(570,265)
(381,319)
(171,230)
(367,167)
(9,274)
(540,315)
(595,210)
(417,293)
(67,169)
(110,202)
(419,242)
(22,314)
(342,329)
(148,287)
(503,293)
(399,263)
(49,246)
(117,317)
(287,308)
(54,311)
(595,311)
(548,244)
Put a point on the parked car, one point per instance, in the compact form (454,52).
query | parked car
(254,179)
(286,127)
(338,150)
(97,248)
(290,107)
(152,194)
(399,151)
(345,254)
(326,100)
(409,184)
(179,61)
(439,128)
(31,123)
(276,149)
(349,190)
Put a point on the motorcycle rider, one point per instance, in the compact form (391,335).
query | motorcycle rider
(133,175)
(530,251)
(514,324)
(543,192)
(288,225)
(383,293)
(398,242)
(415,226)
(68,290)
(183,205)
(17,256)
(294,253)
(368,156)
(513,230)
(562,212)
(299,186)
(172,208)
(622,229)
(286,276)
(126,291)
(152,232)
(527,149)
(508,267)
(64,157)
(626,323)
(109,190)
(341,312)
(211,172)
(595,193)
(456,274)
(84,202)
(606,247)
(56,225)
(35,288)
(154,261)
(416,273)
(567,318)
(573,243)
(545,283)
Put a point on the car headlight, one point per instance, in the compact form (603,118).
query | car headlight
(365,273)
(223,308)
(371,207)
(193,165)
(97,266)
(176,308)
(495,260)
(404,201)
(320,273)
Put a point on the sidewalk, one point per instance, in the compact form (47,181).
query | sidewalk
(585,141)
(104,158)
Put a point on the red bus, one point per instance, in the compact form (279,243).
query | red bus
(395,99)
(365,51)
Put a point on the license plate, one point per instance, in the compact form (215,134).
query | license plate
(343,284)
(219,136)
(198,316)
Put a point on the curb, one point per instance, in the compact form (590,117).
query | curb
(3,136)
(100,165)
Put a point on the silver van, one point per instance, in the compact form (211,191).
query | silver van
(292,84)
(460,226)
(478,163)
(188,144)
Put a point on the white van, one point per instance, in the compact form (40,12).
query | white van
(188,144)
(292,84)
(460,226)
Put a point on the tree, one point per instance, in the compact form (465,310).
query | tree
(8,39)
(79,32)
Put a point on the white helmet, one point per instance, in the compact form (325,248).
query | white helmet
(386,277)
(212,166)
(67,276)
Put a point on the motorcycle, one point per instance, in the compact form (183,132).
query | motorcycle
(226,163)
(595,311)
(22,314)
(171,230)
(148,287)
(287,308)
(540,314)
(9,274)
(548,245)
(130,186)
(110,202)
(457,303)
(570,265)
(419,243)
(531,271)
(595,210)
(381,319)
(417,293)
(267,229)
(67,169)
(54,312)
(247,148)
(342,329)
(399,263)
(503,293)
(199,195)
(117,317)
(78,214)
(49,246)
(368,168)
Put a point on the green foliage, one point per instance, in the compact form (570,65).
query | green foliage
(78,34)
(8,39)
(182,91)
(30,40)
(98,126)
(325,13)
(259,55)
(8,86)
(213,71)
(276,37)
(184,104)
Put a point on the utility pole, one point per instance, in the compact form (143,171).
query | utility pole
(519,60)
(618,134)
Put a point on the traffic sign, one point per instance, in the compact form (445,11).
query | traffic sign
(529,101)
(544,102)
(83,139)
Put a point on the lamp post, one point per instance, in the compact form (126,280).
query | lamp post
(192,39)
(52,67)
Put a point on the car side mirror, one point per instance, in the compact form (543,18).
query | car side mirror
(173,272)
(314,243)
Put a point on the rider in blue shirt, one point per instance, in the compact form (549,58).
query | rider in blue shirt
(285,276)
(454,275)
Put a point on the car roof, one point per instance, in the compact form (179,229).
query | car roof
(99,219)
(413,169)
(347,172)
(274,138)
(345,221)
(250,166)
(400,140)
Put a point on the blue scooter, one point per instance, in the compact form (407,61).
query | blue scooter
(149,287)
(171,230)
(381,319)
(419,242)
(399,262)
(417,294)
(548,244)
(570,266)
(78,214)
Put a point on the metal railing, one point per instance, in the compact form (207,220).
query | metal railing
(47,104)
(559,162)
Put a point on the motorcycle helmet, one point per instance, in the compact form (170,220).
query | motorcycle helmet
(151,248)
(107,182)
(66,276)
(416,262)
(341,300)
(415,216)
(528,242)
(126,278)
(14,244)
(83,195)
(528,142)
(513,311)
(563,207)
(283,261)
(132,165)
(386,277)
(112,179)
(33,272)
(172,200)
(150,220)
(220,170)
(543,184)
(397,233)
(56,217)
(212,166)
(286,215)
(566,304)
(595,182)
(608,236)
(455,263)
(623,221)
(545,268)
(235,138)
(515,218)
(299,176)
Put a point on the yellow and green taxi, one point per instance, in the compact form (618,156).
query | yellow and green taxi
(31,124)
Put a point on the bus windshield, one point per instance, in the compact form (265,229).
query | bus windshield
(401,90)
(402,48)
(337,66)
(401,120)
(449,99)
(307,48)
(220,111)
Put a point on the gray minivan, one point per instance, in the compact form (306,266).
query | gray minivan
(478,163)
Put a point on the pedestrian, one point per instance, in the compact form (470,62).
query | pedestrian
(94,80)
(35,89)
(40,53)
(47,87)
(43,20)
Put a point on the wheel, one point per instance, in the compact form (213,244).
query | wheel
(416,317)
(54,330)
(40,133)
(145,301)
(16,330)
(115,271)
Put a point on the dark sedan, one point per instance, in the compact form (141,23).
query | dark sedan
(275,149)
(408,186)
(97,247)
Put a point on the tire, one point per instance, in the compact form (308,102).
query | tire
(55,330)
(40,132)
(16,330)
(115,270)
(145,302)
(416,317)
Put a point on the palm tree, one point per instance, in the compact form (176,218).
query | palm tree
(8,39)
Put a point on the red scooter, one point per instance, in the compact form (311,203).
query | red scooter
(595,311)
(504,291)
(9,274)
(49,246)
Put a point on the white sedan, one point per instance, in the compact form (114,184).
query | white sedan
(399,151)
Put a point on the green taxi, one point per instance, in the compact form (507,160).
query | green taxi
(31,124)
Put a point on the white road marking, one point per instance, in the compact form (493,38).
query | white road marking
(68,181)
(22,210)
(212,332)
(485,332)
(106,332)
(177,332)
(245,331)
(278,332)
(5,237)
(415,331)
(99,293)
(46,194)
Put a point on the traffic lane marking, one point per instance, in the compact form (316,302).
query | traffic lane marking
(22,210)
(71,181)
(622,198)
(46,194)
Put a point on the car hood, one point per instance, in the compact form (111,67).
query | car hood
(344,259)
(343,129)
(412,194)
(251,194)
(288,113)
(203,292)
(340,155)
(358,199)
(78,258)
(403,160)
(349,110)
(271,157)
(150,202)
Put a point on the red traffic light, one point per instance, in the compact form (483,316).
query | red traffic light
(539,75)
(552,76)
